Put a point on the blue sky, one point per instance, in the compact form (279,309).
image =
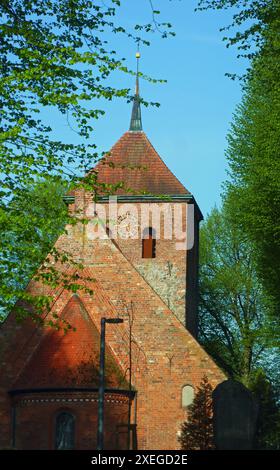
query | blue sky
(190,127)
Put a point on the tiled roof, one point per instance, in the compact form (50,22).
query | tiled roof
(134,161)
(70,359)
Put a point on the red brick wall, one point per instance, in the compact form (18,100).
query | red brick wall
(173,273)
(36,415)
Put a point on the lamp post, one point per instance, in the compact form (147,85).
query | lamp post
(100,425)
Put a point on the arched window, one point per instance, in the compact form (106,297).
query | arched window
(187,395)
(149,243)
(64,431)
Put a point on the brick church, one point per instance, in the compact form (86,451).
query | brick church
(153,362)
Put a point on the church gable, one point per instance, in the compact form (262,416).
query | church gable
(70,359)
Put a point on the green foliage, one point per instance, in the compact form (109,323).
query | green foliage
(253,152)
(252,204)
(30,224)
(268,426)
(236,327)
(234,313)
(253,191)
(197,431)
(249,22)
(55,56)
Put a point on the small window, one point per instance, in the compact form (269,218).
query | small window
(149,243)
(187,395)
(64,431)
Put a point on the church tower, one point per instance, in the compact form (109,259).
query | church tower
(146,188)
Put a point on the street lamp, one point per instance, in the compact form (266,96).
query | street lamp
(100,425)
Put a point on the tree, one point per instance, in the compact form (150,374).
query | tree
(249,23)
(235,317)
(25,245)
(54,56)
(253,151)
(234,324)
(268,424)
(253,155)
(197,431)
(252,201)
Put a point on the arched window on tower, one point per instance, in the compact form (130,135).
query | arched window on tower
(64,431)
(149,243)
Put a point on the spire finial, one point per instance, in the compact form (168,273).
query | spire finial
(136,121)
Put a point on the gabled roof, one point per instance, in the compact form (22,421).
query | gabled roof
(70,359)
(134,161)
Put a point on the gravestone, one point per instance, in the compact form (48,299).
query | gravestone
(235,416)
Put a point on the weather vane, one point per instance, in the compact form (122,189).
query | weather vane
(138,55)
(136,121)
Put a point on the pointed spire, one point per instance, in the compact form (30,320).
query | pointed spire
(136,121)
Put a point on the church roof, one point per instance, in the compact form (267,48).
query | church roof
(70,359)
(135,164)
